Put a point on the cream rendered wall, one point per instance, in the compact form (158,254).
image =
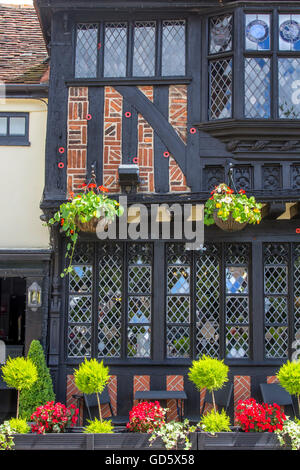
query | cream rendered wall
(22,175)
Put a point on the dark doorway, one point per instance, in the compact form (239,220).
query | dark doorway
(12,314)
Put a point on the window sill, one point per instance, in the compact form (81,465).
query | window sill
(128,81)
(14,143)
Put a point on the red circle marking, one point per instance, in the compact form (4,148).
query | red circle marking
(88,117)
(135,160)
(192,130)
(99,45)
(61,149)
(61,165)
(297,230)
(166,154)
(128,114)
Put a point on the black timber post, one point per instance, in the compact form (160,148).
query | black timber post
(56,141)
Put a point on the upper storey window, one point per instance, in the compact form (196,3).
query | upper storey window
(254,69)
(130,49)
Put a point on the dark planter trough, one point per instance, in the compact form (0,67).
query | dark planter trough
(135,441)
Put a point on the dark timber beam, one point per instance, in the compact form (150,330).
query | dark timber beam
(273,210)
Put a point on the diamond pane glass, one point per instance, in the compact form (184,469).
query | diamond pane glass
(79,341)
(173,48)
(237,340)
(220,73)
(220,34)
(80,308)
(297,292)
(236,280)
(139,279)
(139,309)
(276,310)
(86,51)
(176,254)
(257,32)
(289,88)
(115,50)
(237,310)
(139,341)
(81,279)
(110,304)
(207,305)
(179,280)
(178,341)
(275,253)
(83,253)
(257,88)
(275,279)
(144,49)
(139,253)
(178,309)
(276,342)
(289,32)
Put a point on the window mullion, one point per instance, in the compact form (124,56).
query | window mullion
(158,47)
(238,65)
(130,46)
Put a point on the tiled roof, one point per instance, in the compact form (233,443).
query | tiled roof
(23,55)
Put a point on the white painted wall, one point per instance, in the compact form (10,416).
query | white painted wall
(22,175)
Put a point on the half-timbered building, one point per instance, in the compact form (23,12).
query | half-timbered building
(189,93)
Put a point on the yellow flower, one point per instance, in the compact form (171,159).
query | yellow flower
(256,210)
(218,205)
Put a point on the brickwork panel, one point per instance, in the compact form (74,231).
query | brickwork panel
(241,388)
(141,383)
(78,108)
(145,152)
(112,140)
(174,383)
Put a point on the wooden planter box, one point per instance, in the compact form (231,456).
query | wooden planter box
(81,441)
(136,441)
(238,441)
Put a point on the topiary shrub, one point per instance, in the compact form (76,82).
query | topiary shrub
(92,377)
(19,425)
(42,391)
(209,373)
(20,373)
(289,378)
(215,422)
(98,427)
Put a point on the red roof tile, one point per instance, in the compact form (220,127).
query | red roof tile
(23,55)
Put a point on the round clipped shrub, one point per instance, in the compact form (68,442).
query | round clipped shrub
(215,421)
(98,427)
(289,378)
(42,390)
(209,373)
(19,425)
(20,373)
(92,377)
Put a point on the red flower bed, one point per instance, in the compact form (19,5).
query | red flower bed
(255,417)
(53,417)
(145,417)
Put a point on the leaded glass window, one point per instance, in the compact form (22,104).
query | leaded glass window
(296,279)
(257,32)
(289,32)
(237,300)
(276,257)
(173,48)
(220,73)
(130,49)
(257,87)
(86,51)
(139,300)
(289,88)
(144,49)
(207,294)
(220,34)
(178,308)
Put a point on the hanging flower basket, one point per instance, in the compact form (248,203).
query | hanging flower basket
(82,213)
(231,211)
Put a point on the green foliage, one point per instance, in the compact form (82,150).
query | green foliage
(289,435)
(19,373)
(6,436)
(173,434)
(91,376)
(83,207)
(289,377)
(209,373)
(42,390)
(225,202)
(19,425)
(215,422)
(98,427)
